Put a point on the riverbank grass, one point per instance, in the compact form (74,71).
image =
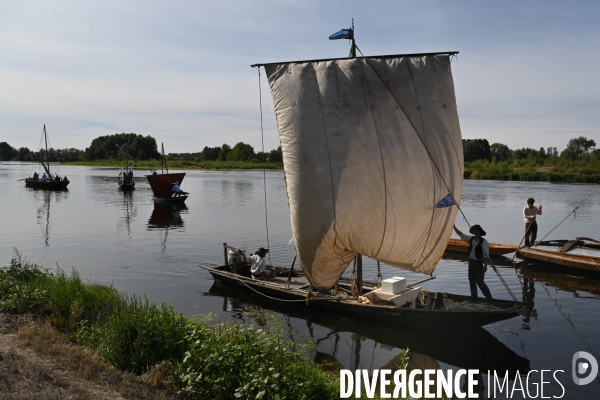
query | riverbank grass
(191,357)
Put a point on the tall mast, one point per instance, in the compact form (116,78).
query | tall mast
(46,168)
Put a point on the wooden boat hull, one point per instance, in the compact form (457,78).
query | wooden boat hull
(127,186)
(174,200)
(473,348)
(161,184)
(496,249)
(432,310)
(47,185)
(579,261)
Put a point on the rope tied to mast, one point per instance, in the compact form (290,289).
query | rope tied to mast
(262,135)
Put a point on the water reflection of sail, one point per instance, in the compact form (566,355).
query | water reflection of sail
(43,210)
(130,210)
(43,216)
(167,216)
(469,349)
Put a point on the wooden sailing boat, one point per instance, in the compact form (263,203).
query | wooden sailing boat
(581,253)
(48,180)
(369,144)
(496,249)
(126,181)
(162,184)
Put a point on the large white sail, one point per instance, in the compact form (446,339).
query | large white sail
(369,144)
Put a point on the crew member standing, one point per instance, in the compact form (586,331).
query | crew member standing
(529,215)
(478,252)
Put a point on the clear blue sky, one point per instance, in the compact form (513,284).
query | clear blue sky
(526,76)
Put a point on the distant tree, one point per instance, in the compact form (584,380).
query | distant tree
(241,152)
(500,151)
(551,152)
(476,149)
(7,152)
(524,153)
(276,155)
(541,154)
(23,154)
(581,145)
(225,149)
(210,153)
(105,147)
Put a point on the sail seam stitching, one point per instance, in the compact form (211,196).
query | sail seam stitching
(385,215)
(329,164)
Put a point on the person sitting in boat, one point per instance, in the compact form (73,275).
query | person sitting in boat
(530,214)
(36,177)
(44,177)
(258,264)
(177,190)
(479,250)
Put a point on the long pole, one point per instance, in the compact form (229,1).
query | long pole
(519,246)
(575,209)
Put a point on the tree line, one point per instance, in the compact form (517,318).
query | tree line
(580,148)
(241,152)
(111,147)
(578,162)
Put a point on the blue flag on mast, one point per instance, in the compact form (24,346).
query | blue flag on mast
(445,202)
(343,34)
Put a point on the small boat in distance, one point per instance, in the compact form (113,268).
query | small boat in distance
(126,181)
(496,249)
(48,180)
(581,253)
(162,184)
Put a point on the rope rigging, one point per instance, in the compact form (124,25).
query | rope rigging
(262,135)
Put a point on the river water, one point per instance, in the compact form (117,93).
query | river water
(141,248)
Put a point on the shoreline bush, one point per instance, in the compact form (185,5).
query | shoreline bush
(192,357)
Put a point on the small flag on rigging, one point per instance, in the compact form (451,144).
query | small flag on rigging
(445,202)
(343,34)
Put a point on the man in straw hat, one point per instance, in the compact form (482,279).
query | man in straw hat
(479,250)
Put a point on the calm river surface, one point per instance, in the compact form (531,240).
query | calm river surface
(141,248)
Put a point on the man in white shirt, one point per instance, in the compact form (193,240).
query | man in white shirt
(258,264)
(529,215)
(479,250)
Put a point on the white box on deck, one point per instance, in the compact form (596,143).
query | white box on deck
(393,285)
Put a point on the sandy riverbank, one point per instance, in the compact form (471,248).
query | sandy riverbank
(37,362)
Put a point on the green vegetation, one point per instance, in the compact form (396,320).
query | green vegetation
(578,163)
(110,151)
(192,357)
(175,164)
(109,147)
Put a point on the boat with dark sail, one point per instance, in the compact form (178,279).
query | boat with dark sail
(126,181)
(50,178)
(369,144)
(162,183)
